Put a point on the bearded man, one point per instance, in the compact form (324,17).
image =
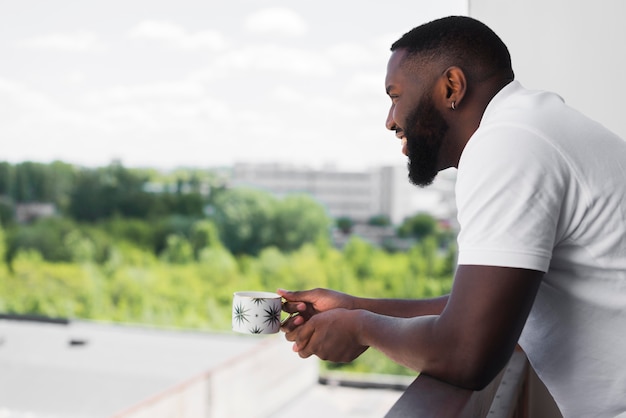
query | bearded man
(541,199)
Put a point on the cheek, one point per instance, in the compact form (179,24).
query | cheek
(399,116)
(404,114)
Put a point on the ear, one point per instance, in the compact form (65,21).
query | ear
(455,86)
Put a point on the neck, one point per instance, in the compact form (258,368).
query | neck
(465,121)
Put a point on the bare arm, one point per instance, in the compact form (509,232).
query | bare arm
(402,308)
(466,345)
(311,302)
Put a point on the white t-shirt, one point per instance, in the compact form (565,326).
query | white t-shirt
(542,187)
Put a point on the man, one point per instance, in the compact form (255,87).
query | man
(542,245)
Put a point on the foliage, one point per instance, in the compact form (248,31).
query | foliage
(244,218)
(250,220)
(345,224)
(379,220)
(107,192)
(418,226)
(58,239)
(298,219)
(181,289)
(120,251)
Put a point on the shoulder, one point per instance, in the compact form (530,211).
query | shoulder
(510,186)
(499,156)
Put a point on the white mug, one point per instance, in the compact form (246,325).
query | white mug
(256,312)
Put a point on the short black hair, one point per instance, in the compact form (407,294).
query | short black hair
(460,41)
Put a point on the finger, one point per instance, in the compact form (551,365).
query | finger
(293,296)
(303,354)
(286,294)
(290,323)
(290,336)
(303,337)
(294,307)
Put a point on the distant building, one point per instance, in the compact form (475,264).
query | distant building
(359,195)
(26,212)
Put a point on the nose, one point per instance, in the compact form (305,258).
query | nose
(390,123)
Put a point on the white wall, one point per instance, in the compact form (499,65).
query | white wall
(255,384)
(572,47)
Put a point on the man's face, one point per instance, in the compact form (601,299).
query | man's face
(415,119)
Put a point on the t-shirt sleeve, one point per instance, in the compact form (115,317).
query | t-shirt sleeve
(509,195)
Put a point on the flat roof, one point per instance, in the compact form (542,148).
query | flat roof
(84,369)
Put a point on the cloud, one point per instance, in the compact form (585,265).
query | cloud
(18,97)
(278,59)
(162,91)
(75,77)
(70,42)
(276,21)
(366,86)
(22,105)
(177,36)
(352,54)
(288,95)
(44,128)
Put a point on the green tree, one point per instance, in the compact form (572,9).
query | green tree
(90,199)
(379,220)
(171,225)
(359,255)
(62,177)
(204,234)
(299,220)
(46,236)
(185,204)
(140,232)
(345,224)
(7,210)
(3,247)
(244,218)
(80,247)
(105,192)
(33,183)
(418,226)
(177,250)
(7,173)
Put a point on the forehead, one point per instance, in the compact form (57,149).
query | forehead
(418,71)
(401,71)
(395,67)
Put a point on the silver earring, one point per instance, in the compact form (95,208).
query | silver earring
(453,106)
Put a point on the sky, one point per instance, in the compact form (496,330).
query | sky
(201,83)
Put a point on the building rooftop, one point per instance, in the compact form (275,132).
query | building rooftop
(84,369)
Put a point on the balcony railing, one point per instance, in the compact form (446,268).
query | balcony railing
(515,393)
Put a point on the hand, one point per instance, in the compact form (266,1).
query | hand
(331,335)
(311,302)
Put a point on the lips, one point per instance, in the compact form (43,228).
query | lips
(400,135)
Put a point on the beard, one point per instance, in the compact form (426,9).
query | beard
(425,129)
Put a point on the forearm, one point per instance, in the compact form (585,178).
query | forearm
(420,343)
(402,308)
(471,339)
